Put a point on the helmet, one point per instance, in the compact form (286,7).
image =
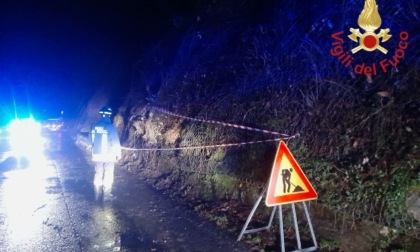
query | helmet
(107,110)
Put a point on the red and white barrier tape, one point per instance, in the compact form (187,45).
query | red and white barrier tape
(208,146)
(221,123)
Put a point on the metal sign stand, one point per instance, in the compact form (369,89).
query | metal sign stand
(283,248)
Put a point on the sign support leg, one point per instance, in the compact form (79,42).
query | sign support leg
(310,225)
(271,217)
(244,229)
(282,245)
(296,227)
(281,226)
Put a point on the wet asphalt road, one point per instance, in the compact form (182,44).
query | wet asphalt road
(50,205)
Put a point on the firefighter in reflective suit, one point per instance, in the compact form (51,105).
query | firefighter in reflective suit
(106,150)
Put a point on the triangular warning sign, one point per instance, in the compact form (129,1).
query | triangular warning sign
(288,183)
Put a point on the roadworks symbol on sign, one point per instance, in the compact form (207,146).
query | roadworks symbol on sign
(288,183)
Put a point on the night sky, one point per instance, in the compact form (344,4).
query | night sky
(55,54)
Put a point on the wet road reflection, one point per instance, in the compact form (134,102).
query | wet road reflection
(50,205)
(23,201)
(47,204)
(26,206)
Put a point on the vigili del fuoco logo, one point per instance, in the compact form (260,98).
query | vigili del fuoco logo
(370,41)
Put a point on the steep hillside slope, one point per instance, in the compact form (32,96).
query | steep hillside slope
(356,136)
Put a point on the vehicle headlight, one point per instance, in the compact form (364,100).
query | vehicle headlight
(25,138)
